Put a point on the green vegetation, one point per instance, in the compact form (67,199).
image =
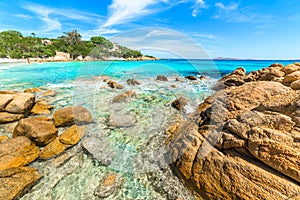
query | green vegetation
(14,45)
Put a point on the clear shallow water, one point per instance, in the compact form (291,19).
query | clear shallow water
(20,76)
(139,149)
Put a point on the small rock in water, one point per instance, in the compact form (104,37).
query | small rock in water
(49,93)
(123,97)
(99,149)
(122,121)
(191,78)
(161,78)
(178,79)
(180,103)
(133,82)
(108,186)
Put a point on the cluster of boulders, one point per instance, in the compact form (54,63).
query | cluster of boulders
(243,142)
(287,75)
(34,137)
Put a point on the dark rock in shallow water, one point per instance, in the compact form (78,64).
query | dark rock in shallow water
(133,82)
(123,97)
(180,103)
(99,149)
(161,78)
(191,78)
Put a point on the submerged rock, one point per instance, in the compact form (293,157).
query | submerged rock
(242,142)
(72,115)
(16,152)
(133,82)
(121,121)
(108,186)
(99,149)
(123,97)
(40,130)
(15,181)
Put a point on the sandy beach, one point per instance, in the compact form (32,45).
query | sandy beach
(10,60)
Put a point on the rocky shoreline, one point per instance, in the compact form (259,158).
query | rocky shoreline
(240,143)
(33,137)
(243,141)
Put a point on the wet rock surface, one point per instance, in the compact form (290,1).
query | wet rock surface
(99,149)
(242,142)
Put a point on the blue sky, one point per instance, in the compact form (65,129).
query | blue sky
(241,29)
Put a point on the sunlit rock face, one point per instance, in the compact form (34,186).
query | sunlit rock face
(243,141)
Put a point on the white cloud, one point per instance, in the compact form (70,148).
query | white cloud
(199,4)
(50,16)
(233,13)
(27,17)
(230,7)
(124,11)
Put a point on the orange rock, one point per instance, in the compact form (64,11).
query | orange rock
(3,138)
(52,149)
(41,108)
(16,152)
(4,100)
(32,90)
(49,93)
(72,135)
(6,117)
(40,130)
(14,181)
(21,103)
(109,181)
(72,115)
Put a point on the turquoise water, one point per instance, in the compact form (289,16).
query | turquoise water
(139,149)
(20,76)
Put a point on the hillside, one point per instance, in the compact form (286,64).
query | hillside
(14,45)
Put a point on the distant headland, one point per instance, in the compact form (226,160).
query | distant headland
(68,47)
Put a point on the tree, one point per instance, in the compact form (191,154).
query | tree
(72,38)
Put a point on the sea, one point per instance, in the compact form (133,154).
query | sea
(136,143)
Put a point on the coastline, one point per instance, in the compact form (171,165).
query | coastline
(12,60)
